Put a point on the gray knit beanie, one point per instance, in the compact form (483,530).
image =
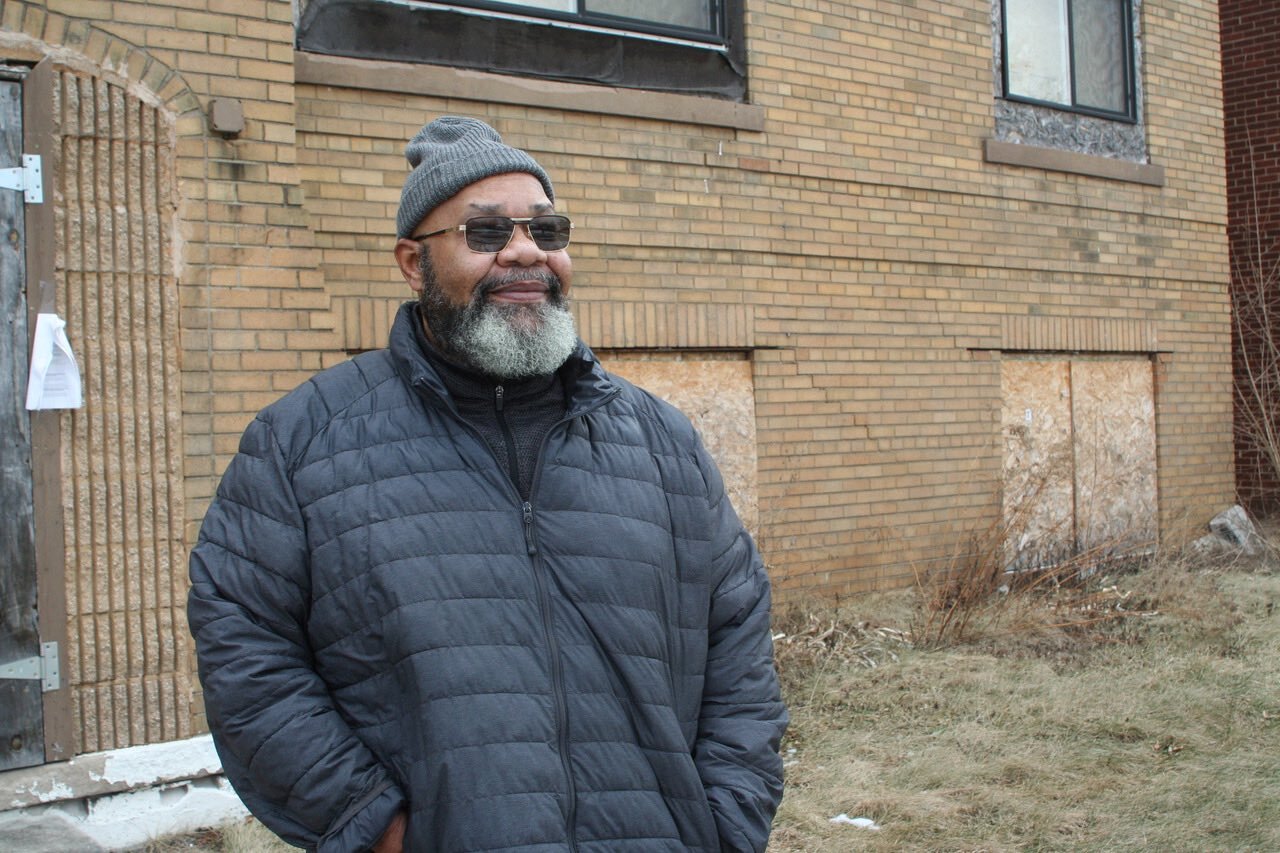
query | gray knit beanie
(447,155)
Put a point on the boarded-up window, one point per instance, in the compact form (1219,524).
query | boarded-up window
(1079,458)
(715,390)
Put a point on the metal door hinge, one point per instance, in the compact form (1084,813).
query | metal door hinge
(43,668)
(28,177)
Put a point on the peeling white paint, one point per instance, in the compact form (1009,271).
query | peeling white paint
(144,764)
(56,791)
(100,773)
(124,798)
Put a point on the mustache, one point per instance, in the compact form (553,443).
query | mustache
(491,283)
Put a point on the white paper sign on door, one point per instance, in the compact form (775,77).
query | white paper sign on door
(54,381)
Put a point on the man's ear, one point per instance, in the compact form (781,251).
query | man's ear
(407,254)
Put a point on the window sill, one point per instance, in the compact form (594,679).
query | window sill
(402,77)
(1013,154)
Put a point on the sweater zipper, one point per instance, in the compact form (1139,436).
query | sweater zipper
(513,466)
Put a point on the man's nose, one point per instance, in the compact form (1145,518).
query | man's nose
(521,250)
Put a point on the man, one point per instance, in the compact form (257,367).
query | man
(472,592)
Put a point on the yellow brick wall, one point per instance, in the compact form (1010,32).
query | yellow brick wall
(881,257)
(881,261)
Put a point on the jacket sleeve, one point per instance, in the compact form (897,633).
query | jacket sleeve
(742,716)
(285,748)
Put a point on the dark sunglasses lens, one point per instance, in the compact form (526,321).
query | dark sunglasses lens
(551,233)
(489,233)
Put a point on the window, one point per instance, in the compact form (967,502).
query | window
(694,47)
(1071,54)
(694,18)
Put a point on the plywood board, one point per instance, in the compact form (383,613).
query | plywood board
(717,394)
(1038,477)
(1115,449)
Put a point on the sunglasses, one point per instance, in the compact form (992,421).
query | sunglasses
(491,234)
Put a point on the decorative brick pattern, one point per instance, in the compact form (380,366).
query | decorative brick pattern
(127,657)
(1077,334)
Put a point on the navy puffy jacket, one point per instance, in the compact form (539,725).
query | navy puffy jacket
(382,623)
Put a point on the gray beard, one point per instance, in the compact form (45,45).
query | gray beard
(502,341)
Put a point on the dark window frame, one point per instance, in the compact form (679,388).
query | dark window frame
(1130,112)
(525,45)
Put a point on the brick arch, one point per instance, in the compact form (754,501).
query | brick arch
(77,45)
(114,117)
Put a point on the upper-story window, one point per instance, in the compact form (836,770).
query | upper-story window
(1071,54)
(698,19)
(695,47)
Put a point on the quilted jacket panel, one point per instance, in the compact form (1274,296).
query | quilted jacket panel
(381,620)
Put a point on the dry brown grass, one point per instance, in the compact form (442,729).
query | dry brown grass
(1123,707)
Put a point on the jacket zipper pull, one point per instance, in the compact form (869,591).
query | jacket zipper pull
(497,397)
(528,528)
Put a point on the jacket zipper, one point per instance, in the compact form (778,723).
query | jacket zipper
(544,597)
(553,647)
(557,675)
(544,606)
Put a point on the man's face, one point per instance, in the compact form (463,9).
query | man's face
(504,314)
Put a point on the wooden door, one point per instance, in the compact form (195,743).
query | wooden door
(21,715)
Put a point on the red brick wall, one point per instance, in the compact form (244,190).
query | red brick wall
(1251,100)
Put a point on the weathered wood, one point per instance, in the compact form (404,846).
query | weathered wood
(41,137)
(21,728)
